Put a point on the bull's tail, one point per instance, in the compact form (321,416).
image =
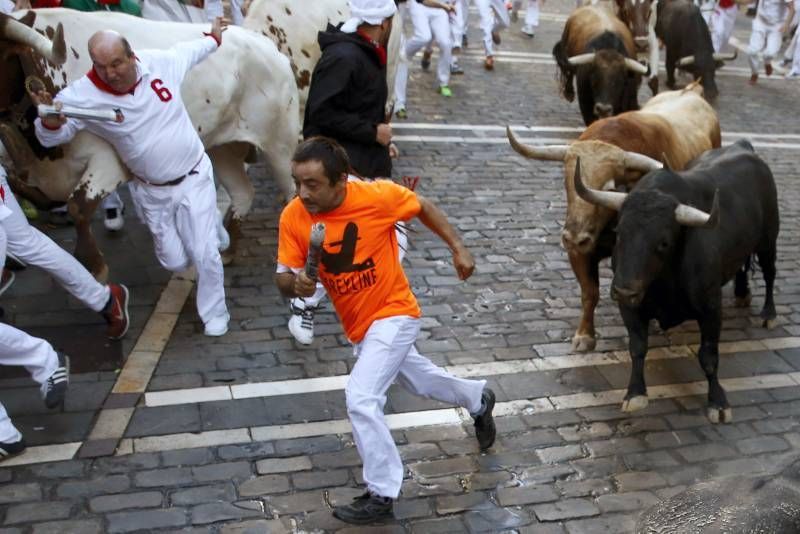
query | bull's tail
(565,71)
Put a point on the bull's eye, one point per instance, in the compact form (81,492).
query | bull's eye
(663,245)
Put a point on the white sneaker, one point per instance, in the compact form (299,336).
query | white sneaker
(793,75)
(223,238)
(218,326)
(114,220)
(530,31)
(301,323)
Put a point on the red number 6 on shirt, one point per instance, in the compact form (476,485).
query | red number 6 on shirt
(163,93)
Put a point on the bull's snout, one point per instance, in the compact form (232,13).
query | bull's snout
(582,242)
(627,297)
(642,43)
(603,110)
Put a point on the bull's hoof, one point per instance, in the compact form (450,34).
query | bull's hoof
(101,275)
(635,404)
(653,85)
(583,343)
(769,324)
(744,302)
(720,415)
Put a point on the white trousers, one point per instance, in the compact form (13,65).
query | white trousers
(214,9)
(531,12)
(722,22)
(183,221)
(458,22)
(494,17)
(34,248)
(765,42)
(18,348)
(113,201)
(795,44)
(385,355)
(429,22)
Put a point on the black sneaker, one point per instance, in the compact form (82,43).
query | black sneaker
(7,450)
(55,388)
(366,508)
(485,430)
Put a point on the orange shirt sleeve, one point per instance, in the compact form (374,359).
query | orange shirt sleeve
(291,249)
(400,201)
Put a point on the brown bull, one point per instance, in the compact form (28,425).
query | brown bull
(598,50)
(676,126)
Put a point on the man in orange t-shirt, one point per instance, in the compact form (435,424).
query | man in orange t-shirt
(362,274)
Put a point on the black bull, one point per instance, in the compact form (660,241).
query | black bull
(680,238)
(685,34)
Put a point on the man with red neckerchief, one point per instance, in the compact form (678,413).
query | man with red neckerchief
(173,189)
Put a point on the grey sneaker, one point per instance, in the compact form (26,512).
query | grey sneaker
(366,508)
(54,390)
(485,430)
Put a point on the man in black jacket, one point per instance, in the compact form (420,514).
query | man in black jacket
(347,97)
(347,101)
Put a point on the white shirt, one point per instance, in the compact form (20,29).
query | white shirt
(773,11)
(6,6)
(156,140)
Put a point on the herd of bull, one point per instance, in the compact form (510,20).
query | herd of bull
(652,188)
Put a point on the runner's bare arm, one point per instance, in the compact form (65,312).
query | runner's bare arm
(435,219)
(295,285)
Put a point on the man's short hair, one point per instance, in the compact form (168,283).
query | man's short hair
(327,151)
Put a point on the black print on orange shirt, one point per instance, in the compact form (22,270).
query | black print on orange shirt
(342,262)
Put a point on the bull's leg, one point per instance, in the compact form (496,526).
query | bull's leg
(670,67)
(82,207)
(766,258)
(636,397)
(719,411)
(229,170)
(587,272)
(741,289)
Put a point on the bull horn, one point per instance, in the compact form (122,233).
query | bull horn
(685,61)
(639,162)
(689,216)
(548,153)
(726,57)
(608,199)
(581,59)
(54,51)
(635,66)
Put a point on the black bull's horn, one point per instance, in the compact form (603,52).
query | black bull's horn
(685,215)
(54,51)
(689,60)
(585,59)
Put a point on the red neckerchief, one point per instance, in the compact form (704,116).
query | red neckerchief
(380,51)
(103,86)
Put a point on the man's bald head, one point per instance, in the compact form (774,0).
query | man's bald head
(113,60)
(107,42)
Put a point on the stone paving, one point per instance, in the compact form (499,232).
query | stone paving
(574,464)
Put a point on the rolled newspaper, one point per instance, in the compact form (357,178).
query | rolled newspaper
(113,115)
(315,250)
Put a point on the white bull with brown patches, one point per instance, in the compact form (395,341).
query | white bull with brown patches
(293,27)
(241,97)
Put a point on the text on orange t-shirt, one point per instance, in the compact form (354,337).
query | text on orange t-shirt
(360,266)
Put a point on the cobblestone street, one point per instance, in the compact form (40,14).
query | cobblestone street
(173,431)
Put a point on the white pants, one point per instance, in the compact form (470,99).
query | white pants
(18,348)
(795,44)
(34,248)
(458,22)
(494,17)
(113,201)
(765,42)
(531,13)
(428,22)
(722,22)
(385,355)
(214,9)
(707,9)
(183,221)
